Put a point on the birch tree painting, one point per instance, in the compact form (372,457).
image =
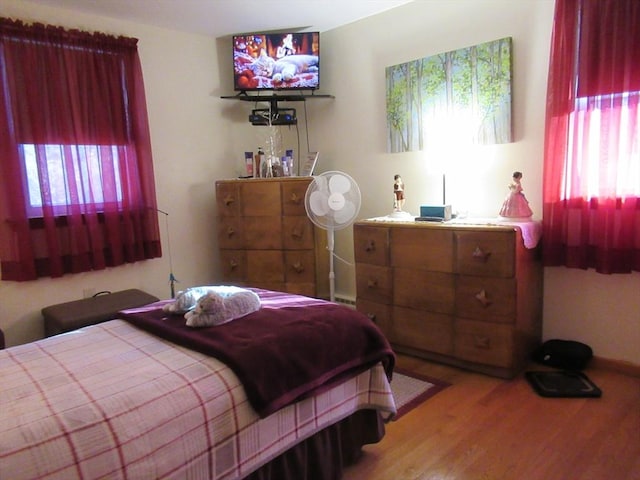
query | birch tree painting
(458,96)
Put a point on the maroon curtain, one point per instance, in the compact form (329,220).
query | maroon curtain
(76,175)
(591,189)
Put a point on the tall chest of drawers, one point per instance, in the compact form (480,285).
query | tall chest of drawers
(266,239)
(469,296)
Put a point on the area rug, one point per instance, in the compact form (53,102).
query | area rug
(410,390)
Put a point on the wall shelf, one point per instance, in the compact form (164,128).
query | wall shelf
(271,116)
(275,97)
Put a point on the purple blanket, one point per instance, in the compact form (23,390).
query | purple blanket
(292,347)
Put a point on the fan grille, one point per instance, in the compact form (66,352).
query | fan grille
(332,200)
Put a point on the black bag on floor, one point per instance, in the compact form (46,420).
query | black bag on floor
(565,354)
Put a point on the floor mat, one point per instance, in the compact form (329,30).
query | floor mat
(562,384)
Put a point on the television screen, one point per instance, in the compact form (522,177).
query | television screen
(276,61)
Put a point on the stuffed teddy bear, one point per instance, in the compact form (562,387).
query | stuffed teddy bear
(216,309)
(186,299)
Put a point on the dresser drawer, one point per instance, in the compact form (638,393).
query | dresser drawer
(234,265)
(306,289)
(485,253)
(228,199)
(260,199)
(297,233)
(422,330)
(293,193)
(425,248)
(433,291)
(374,283)
(371,245)
(263,233)
(265,267)
(485,343)
(379,313)
(486,298)
(230,232)
(300,266)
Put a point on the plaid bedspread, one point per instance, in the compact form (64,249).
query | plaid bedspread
(112,401)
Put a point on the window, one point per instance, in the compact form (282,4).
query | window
(66,165)
(76,174)
(591,189)
(603,134)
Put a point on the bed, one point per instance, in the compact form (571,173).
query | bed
(128,398)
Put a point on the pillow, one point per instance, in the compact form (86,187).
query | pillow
(216,309)
(186,300)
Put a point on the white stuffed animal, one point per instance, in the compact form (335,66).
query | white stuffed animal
(216,309)
(186,299)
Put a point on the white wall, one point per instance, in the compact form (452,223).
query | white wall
(600,310)
(197,138)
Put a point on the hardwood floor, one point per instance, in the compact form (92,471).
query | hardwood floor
(484,428)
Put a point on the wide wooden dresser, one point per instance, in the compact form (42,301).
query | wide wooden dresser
(266,239)
(469,296)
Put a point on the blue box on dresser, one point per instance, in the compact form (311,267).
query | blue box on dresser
(436,211)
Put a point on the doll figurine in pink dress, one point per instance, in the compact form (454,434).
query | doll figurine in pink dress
(516,204)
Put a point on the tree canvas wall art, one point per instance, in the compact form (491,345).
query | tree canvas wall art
(458,96)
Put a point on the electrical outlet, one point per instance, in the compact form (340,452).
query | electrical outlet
(88,292)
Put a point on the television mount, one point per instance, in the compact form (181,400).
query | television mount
(273,116)
(285,116)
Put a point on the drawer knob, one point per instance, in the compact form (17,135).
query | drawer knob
(370,246)
(295,198)
(480,254)
(372,317)
(298,267)
(482,297)
(482,342)
(230,231)
(233,264)
(229,199)
(296,233)
(372,283)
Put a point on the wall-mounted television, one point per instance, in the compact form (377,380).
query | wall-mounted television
(276,61)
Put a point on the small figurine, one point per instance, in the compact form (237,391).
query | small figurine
(516,204)
(398,193)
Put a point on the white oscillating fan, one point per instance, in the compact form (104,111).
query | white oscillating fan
(332,202)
